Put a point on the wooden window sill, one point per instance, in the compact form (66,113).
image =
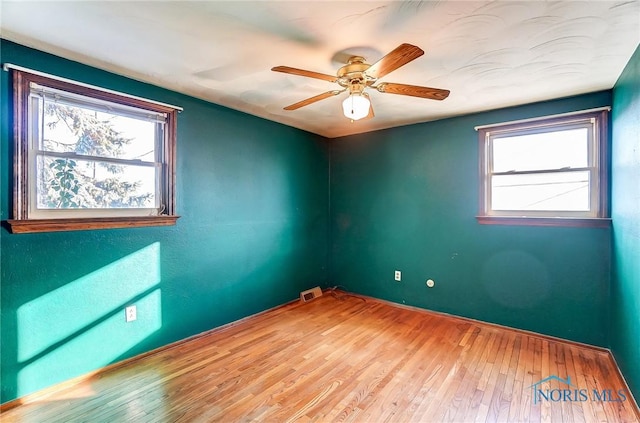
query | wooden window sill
(596,222)
(17,226)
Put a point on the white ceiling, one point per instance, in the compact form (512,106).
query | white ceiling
(490,54)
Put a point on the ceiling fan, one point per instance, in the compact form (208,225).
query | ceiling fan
(357,75)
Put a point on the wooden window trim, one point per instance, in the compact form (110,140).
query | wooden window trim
(21,223)
(575,222)
(77,224)
(602,220)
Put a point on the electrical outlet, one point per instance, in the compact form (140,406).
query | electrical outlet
(398,275)
(130,313)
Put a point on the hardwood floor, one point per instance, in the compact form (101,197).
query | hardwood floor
(350,359)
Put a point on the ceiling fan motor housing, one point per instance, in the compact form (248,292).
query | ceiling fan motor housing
(353,76)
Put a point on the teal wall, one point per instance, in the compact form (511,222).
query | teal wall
(253,196)
(406,198)
(625,283)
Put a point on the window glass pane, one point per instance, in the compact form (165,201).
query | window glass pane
(82,130)
(90,184)
(542,151)
(560,191)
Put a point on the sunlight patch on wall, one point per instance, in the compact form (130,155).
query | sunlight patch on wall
(97,347)
(81,326)
(71,308)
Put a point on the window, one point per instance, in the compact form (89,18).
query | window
(548,171)
(87,158)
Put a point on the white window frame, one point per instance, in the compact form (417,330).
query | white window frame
(26,216)
(596,121)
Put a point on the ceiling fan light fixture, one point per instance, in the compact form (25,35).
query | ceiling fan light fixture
(356,106)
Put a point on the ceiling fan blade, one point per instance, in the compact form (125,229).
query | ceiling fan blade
(302,72)
(413,90)
(400,56)
(313,99)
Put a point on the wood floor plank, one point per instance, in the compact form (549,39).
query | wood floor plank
(349,359)
(482,368)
